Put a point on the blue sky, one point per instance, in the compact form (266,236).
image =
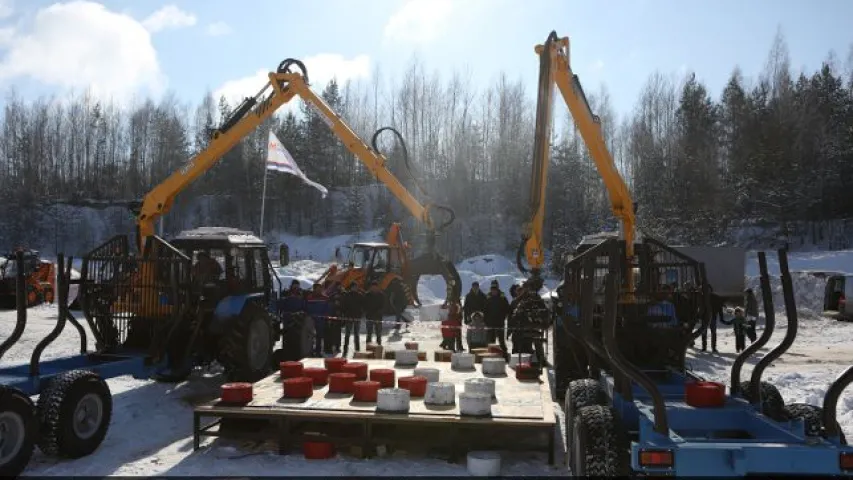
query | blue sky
(128,47)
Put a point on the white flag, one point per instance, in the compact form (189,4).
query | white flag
(280,160)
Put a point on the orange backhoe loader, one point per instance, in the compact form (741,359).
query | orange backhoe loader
(40,277)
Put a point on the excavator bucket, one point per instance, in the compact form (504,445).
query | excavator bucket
(434,264)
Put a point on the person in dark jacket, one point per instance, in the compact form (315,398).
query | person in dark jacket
(496,311)
(716,313)
(374,303)
(332,342)
(532,318)
(519,344)
(318,306)
(475,301)
(751,311)
(351,310)
(294,290)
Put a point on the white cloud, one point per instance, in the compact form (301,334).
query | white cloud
(82,44)
(321,68)
(6,8)
(418,21)
(167,17)
(7,34)
(597,65)
(218,28)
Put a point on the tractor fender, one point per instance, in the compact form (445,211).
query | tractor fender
(228,309)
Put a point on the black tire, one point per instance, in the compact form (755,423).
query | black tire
(246,349)
(581,393)
(396,298)
(599,444)
(19,429)
(812,416)
(298,340)
(59,407)
(772,403)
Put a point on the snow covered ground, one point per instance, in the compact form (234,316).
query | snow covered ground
(151,430)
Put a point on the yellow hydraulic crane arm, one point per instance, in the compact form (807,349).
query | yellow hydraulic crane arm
(554,68)
(283,85)
(372,159)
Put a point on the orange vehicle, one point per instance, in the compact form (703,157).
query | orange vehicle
(389,263)
(40,277)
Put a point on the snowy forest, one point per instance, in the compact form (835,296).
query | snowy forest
(772,153)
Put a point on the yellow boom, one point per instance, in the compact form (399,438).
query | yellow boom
(554,69)
(283,86)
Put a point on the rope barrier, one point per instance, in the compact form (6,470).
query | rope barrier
(430,325)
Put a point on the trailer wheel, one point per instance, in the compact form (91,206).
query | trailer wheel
(599,444)
(772,403)
(18,431)
(812,416)
(581,393)
(246,349)
(75,411)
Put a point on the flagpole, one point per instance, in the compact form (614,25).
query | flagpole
(263,200)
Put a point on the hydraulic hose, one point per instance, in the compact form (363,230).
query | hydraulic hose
(402,143)
(284,67)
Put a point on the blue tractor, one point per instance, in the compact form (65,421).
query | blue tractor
(632,407)
(208,296)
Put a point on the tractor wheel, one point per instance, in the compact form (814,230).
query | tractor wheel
(75,411)
(396,297)
(812,416)
(18,431)
(298,341)
(245,350)
(599,446)
(772,403)
(580,393)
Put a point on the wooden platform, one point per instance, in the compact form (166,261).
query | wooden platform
(521,407)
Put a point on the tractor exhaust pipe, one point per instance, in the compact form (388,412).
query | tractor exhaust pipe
(830,404)
(20,305)
(769,326)
(790,333)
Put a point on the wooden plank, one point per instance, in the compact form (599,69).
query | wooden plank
(521,403)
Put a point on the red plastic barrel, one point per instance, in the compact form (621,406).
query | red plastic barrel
(290,369)
(341,382)
(299,387)
(320,376)
(366,391)
(416,385)
(358,368)
(333,365)
(385,377)
(237,393)
(705,394)
(318,450)
(525,371)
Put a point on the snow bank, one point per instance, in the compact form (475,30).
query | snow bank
(303,271)
(321,249)
(808,292)
(836,261)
